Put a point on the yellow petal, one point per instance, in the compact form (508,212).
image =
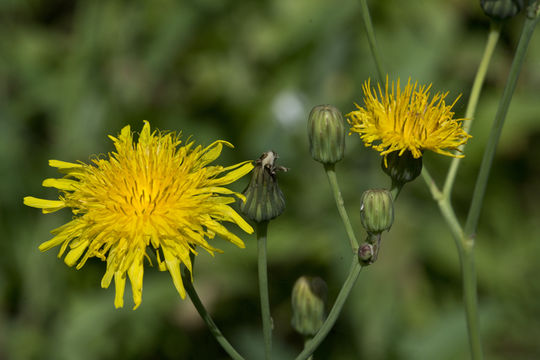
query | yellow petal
(55,241)
(214,190)
(135,273)
(120,285)
(234,175)
(107,277)
(75,253)
(173,264)
(229,214)
(161,263)
(63,164)
(224,233)
(48,206)
(124,138)
(61,184)
(212,152)
(145,137)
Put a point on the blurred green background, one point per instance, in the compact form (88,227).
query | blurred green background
(72,72)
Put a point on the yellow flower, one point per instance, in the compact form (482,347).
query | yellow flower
(408,120)
(156,195)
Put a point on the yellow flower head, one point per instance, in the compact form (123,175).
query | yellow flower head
(158,193)
(408,120)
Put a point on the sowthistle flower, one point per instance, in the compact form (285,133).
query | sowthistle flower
(158,194)
(407,120)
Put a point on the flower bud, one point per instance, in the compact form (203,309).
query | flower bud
(377,211)
(308,305)
(264,199)
(501,9)
(366,253)
(326,131)
(401,169)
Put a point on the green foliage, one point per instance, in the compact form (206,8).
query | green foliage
(72,72)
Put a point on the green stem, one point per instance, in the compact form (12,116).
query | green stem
(334,313)
(371,40)
(261,230)
(446,209)
(476,89)
(465,249)
(226,345)
(332,179)
(306,342)
(489,153)
(395,190)
(468,273)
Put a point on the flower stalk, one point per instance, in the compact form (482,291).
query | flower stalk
(330,170)
(493,37)
(368,26)
(264,201)
(214,330)
(496,129)
(261,230)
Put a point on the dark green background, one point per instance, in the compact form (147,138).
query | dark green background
(72,72)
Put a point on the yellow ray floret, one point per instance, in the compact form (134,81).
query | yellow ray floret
(407,120)
(154,195)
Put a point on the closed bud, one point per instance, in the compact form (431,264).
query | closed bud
(308,305)
(401,169)
(264,199)
(377,211)
(326,131)
(366,253)
(501,9)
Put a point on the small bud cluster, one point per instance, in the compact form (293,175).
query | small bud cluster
(377,215)
(326,132)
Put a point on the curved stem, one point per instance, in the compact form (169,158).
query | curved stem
(371,39)
(476,89)
(261,230)
(446,209)
(226,345)
(470,297)
(489,153)
(433,188)
(465,248)
(332,179)
(312,344)
(306,342)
